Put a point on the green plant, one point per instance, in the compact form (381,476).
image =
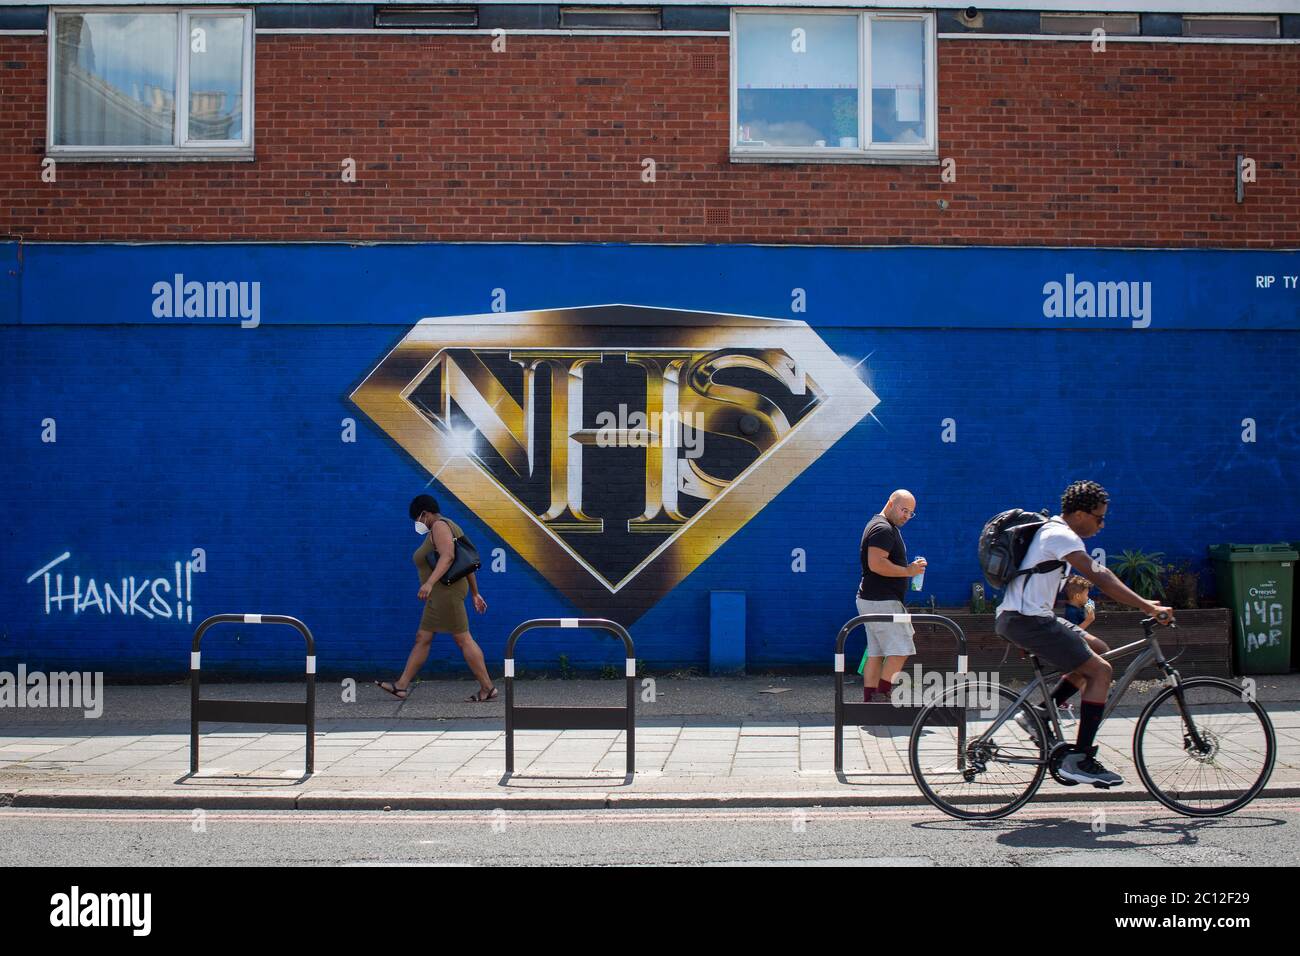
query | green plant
(979,604)
(609,672)
(1182,586)
(934,606)
(566,670)
(1141,572)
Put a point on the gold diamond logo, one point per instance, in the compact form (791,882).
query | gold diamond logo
(614,447)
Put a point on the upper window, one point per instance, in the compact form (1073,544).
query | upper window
(829,85)
(426,16)
(1082,24)
(610,18)
(144,82)
(1217,26)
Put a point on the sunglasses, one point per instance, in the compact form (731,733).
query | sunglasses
(1101,519)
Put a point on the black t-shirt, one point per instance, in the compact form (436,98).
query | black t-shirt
(881,534)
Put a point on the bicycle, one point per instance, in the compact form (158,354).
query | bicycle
(1203,747)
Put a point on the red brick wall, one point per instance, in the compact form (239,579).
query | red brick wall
(1054,145)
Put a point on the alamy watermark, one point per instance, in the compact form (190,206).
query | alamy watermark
(75,908)
(1084,299)
(636,429)
(73,690)
(920,688)
(181,299)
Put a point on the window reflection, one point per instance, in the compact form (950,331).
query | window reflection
(897,81)
(801,79)
(797,81)
(115,79)
(216,78)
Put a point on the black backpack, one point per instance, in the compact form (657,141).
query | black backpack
(1004,542)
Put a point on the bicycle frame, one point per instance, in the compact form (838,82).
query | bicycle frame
(1152,655)
(975,754)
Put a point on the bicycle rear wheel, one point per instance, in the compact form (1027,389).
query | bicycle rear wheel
(1203,749)
(972,779)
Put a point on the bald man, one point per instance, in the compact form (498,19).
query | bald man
(885,576)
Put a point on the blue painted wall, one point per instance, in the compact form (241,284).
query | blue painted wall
(175,434)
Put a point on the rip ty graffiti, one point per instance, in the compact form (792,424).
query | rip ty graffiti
(163,597)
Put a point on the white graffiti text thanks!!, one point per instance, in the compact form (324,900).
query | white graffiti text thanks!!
(154,597)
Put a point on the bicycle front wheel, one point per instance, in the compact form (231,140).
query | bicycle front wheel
(968,772)
(1204,748)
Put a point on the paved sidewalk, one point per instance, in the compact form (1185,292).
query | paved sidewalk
(377,753)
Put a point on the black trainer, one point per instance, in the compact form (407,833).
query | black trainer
(1086,768)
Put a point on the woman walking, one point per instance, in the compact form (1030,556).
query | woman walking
(444,604)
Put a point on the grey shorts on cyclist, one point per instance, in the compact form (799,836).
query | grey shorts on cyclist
(1054,639)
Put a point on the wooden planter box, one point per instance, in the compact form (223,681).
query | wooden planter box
(1204,635)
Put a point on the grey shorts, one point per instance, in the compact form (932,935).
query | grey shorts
(888,639)
(1054,639)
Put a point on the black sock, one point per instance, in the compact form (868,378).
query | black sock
(1064,691)
(1089,721)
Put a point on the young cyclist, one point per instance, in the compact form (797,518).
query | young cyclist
(1026,617)
(1077,609)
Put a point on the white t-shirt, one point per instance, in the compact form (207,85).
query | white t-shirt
(1035,594)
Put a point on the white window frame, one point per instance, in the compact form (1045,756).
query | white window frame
(891,153)
(182,148)
(617,9)
(1046,15)
(1272,18)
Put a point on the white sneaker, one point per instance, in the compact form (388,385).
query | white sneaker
(1065,713)
(1027,725)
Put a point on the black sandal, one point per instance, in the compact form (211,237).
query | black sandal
(390,687)
(478,698)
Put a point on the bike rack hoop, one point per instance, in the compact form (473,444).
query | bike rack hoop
(552,717)
(881,713)
(252,711)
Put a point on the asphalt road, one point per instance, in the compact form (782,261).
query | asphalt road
(1267,833)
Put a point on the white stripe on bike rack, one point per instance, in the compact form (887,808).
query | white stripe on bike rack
(252,619)
(631,667)
(568,622)
(311,664)
(510,667)
(839,663)
(961,663)
(194,660)
(902,618)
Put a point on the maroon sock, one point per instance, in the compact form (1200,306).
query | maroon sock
(885,687)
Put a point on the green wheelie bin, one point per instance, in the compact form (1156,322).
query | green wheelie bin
(1257,583)
(1295,591)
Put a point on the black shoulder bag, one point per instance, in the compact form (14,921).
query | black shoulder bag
(464,561)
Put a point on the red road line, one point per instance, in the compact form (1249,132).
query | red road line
(609,816)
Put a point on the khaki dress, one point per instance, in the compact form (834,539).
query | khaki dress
(445,609)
